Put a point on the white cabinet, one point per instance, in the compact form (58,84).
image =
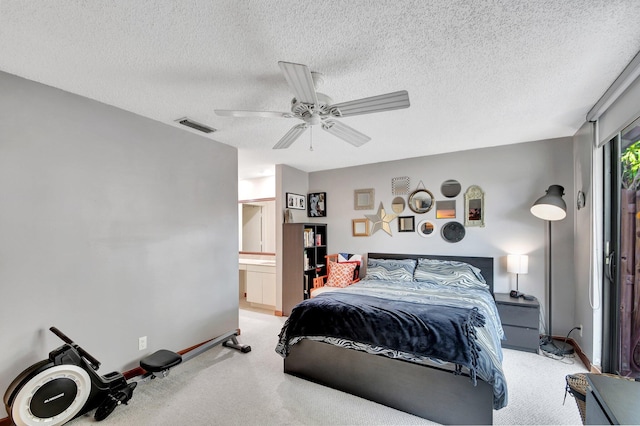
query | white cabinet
(261,284)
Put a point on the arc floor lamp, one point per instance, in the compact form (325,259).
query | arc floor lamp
(551,207)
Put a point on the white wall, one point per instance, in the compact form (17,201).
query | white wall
(251,189)
(112,226)
(512,177)
(256,189)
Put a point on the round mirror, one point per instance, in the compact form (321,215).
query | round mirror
(426,228)
(420,201)
(450,188)
(397,205)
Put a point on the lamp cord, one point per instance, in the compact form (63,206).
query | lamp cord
(563,356)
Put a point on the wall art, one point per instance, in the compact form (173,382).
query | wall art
(317,204)
(296,201)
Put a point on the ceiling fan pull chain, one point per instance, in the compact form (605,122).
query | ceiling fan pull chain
(310,138)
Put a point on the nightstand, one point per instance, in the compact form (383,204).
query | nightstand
(520,319)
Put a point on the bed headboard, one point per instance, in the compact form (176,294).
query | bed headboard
(485,264)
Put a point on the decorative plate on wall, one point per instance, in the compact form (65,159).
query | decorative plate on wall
(453,232)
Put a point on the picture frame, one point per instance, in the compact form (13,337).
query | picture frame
(364,199)
(317,204)
(296,201)
(360,227)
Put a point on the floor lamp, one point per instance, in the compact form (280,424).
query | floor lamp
(551,207)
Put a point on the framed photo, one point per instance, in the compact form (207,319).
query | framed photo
(317,204)
(296,201)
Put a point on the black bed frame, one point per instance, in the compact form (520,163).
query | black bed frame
(430,392)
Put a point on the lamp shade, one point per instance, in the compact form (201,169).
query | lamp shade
(518,263)
(550,206)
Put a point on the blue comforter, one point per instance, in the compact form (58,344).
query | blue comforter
(416,321)
(443,332)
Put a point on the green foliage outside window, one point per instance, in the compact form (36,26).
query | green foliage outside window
(630,160)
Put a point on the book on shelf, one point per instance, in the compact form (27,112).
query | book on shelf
(308,237)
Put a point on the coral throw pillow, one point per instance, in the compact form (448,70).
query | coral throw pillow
(340,274)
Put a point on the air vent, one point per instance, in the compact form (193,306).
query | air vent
(197,126)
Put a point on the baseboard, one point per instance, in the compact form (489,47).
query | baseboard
(578,351)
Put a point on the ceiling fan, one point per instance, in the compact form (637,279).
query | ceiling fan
(315,108)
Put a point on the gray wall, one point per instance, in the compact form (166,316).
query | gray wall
(112,226)
(512,177)
(288,179)
(587,299)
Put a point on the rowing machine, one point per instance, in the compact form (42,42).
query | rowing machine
(66,385)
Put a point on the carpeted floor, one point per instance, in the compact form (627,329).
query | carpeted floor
(225,387)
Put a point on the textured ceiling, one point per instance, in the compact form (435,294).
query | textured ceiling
(478,73)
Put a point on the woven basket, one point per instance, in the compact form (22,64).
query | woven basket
(577,387)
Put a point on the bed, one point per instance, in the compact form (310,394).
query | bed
(456,381)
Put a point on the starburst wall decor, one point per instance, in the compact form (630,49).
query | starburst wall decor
(381,220)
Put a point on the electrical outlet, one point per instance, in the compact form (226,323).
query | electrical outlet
(142,343)
(580,330)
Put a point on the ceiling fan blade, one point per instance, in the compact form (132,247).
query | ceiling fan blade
(299,79)
(291,136)
(386,102)
(344,132)
(266,114)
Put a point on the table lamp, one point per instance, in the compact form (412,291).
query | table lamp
(517,264)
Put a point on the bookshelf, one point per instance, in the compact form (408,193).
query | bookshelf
(304,247)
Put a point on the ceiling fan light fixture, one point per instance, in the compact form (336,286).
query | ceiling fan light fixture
(314,119)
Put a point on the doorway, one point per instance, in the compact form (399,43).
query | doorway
(621,322)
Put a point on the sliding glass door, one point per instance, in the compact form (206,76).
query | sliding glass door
(621,292)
